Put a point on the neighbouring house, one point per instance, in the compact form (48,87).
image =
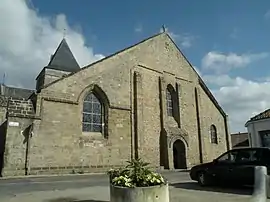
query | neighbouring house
(145,101)
(259,129)
(239,140)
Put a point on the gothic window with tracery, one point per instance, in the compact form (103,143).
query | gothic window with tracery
(92,114)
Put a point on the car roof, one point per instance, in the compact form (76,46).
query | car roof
(248,148)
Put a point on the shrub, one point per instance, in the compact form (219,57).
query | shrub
(135,174)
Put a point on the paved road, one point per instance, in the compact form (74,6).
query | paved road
(10,187)
(94,188)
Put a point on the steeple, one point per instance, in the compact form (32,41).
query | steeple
(62,63)
(63,59)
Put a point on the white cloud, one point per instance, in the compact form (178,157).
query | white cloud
(220,80)
(221,62)
(185,40)
(28,40)
(138,28)
(242,99)
(267,15)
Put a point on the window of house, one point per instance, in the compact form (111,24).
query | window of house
(169,101)
(265,138)
(213,133)
(92,114)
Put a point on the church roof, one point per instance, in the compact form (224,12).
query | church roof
(263,115)
(63,59)
(14,92)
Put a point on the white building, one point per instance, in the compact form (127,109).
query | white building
(259,129)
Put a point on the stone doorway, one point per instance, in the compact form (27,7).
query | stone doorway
(179,155)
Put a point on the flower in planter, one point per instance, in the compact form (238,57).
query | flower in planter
(135,174)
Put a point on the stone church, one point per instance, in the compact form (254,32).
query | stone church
(145,101)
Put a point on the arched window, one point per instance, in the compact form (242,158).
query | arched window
(93,114)
(169,101)
(213,133)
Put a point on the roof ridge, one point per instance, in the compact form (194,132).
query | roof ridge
(105,58)
(262,115)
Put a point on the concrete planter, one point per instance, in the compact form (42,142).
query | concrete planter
(158,193)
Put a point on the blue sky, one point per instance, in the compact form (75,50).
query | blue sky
(227,26)
(227,41)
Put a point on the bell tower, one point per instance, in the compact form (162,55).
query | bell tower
(62,63)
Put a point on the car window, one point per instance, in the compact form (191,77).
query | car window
(250,155)
(228,157)
(265,156)
(243,156)
(256,155)
(240,156)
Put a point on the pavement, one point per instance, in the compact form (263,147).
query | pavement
(94,188)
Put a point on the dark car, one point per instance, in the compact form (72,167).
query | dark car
(235,166)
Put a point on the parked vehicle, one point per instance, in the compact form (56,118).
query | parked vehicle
(235,166)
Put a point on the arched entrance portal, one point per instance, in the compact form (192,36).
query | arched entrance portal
(179,155)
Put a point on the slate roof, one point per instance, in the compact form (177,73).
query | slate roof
(14,92)
(63,59)
(263,115)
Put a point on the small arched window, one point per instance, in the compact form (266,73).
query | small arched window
(213,133)
(169,101)
(93,114)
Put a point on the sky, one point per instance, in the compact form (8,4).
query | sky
(228,42)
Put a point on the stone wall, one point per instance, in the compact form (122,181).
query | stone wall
(209,114)
(240,140)
(3,108)
(20,108)
(155,58)
(47,76)
(61,130)
(133,87)
(20,115)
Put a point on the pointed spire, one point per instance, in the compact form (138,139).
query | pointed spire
(63,59)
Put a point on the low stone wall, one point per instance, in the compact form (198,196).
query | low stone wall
(63,170)
(59,170)
(261,186)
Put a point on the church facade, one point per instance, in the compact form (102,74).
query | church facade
(145,101)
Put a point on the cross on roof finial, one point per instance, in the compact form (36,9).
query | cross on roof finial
(64,32)
(164,28)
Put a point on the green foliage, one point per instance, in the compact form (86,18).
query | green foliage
(135,174)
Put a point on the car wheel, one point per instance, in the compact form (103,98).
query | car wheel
(202,179)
